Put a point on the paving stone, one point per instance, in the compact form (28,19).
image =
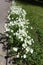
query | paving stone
(4,7)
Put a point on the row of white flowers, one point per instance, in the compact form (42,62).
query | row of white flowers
(22,32)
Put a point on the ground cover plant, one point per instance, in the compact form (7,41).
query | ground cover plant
(23,28)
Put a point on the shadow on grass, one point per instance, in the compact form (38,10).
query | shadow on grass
(36,3)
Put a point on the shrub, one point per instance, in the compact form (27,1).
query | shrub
(19,38)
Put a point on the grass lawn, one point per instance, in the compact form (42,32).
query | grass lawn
(35,15)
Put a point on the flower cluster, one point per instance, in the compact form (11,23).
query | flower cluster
(18,29)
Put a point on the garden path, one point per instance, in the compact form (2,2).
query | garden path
(4,7)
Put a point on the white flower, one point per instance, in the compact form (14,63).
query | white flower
(27,31)
(16,9)
(19,37)
(19,19)
(15,49)
(22,32)
(24,12)
(31,27)
(26,26)
(28,37)
(24,45)
(9,17)
(22,39)
(10,36)
(24,56)
(17,56)
(32,40)
(12,18)
(11,23)
(14,34)
(12,31)
(7,29)
(29,42)
(27,20)
(5,25)
(25,41)
(27,49)
(31,51)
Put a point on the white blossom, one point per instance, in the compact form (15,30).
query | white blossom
(9,17)
(24,45)
(27,49)
(11,23)
(29,42)
(24,56)
(31,51)
(7,29)
(27,20)
(15,49)
(24,12)
(22,39)
(28,37)
(17,56)
(31,27)
(12,31)
(10,36)
(5,25)
(12,18)
(32,40)
(26,26)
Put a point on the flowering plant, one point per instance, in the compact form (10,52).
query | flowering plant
(17,31)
